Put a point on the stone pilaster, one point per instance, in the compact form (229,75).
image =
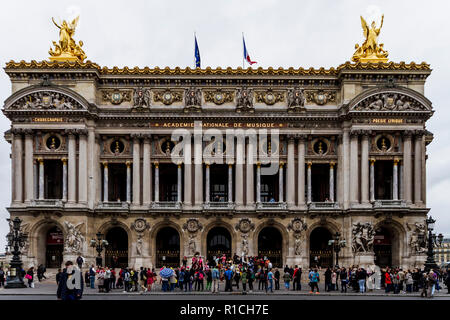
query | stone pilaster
(250,191)
(72,182)
(308,183)
(365,168)
(395,180)
(17,173)
(128,187)
(179,186)
(156,181)
(258,182)
(239,172)
(198,165)
(188,172)
(281,183)
(136,170)
(332,181)
(82,168)
(29,192)
(230,183)
(407,167)
(418,168)
(290,174)
(105,181)
(354,181)
(64,193)
(41,178)
(301,171)
(372,180)
(346,166)
(147,172)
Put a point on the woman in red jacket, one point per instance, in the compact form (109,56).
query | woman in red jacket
(388,281)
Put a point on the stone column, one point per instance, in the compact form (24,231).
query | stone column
(301,171)
(290,178)
(198,164)
(147,173)
(156,182)
(207,185)
(188,172)
(346,167)
(93,170)
(29,193)
(41,178)
(372,180)
(72,182)
(230,183)
(250,192)
(17,173)
(407,167)
(36,178)
(354,181)
(105,181)
(82,168)
(64,195)
(400,180)
(332,181)
(128,187)
(308,182)
(179,186)
(239,184)
(280,183)
(365,168)
(258,182)
(395,180)
(418,169)
(136,171)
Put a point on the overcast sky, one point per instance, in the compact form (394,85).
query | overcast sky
(277,33)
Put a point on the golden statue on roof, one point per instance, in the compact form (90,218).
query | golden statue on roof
(370,50)
(67,49)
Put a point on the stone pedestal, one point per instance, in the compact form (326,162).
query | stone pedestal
(364,259)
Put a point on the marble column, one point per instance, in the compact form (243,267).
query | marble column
(136,171)
(418,169)
(105,181)
(354,181)
(156,182)
(332,181)
(146,173)
(93,170)
(179,186)
(230,183)
(207,183)
(395,180)
(41,178)
(250,192)
(128,187)
(290,177)
(308,182)
(407,168)
(64,195)
(188,172)
(346,167)
(239,172)
(17,173)
(372,180)
(36,178)
(281,183)
(29,193)
(82,168)
(258,182)
(71,168)
(198,165)
(301,171)
(400,180)
(365,168)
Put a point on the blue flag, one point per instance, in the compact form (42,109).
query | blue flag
(197,54)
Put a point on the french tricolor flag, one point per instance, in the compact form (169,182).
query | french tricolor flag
(246,55)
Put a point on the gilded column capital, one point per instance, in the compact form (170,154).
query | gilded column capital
(332,164)
(40,160)
(309,164)
(258,164)
(156,164)
(372,161)
(105,164)
(281,164)
(64,161)
(128,163)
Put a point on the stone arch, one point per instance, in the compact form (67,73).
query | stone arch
(17,100)
(106,226)
(207,229)
(284,236)
(332,227)
(38,237)
(398,237)
(154,232)
(418,102)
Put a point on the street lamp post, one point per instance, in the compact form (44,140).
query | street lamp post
(99,244)
(432,241)
(16,241)
(337,244)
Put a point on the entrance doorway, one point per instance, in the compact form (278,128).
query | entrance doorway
(320,253)
(270,243)
(382,246)
(54,248)
(116,253)
(167,248)
(218,242)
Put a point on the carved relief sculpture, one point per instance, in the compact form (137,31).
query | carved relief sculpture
(74,238)
(320,97)
(418,237)
(389,102)
(297,226)
(363,237)
(141,98)
(46,100)
(167,96)
(295,99)
(244,100)
(192,99)
(116,96)
(219,97)
(269,97)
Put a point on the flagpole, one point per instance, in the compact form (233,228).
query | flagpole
(243,50)
(195,59)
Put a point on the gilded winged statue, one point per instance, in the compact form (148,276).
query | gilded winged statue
(370,50)
(67,48)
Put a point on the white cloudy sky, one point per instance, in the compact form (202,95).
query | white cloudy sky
(293,33)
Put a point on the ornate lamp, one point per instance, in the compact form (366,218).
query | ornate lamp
(16,240)
(99,244)
(337,244)
(432,242)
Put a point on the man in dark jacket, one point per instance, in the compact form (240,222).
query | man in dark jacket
(71,284)
(328,279)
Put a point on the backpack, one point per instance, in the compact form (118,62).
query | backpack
(200,276)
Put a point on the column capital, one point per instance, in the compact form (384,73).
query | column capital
(179,164)
(332,164)
(290,138)
(396,161)
(128,163)
(40,160)
(419,133)
(82,132)
(281,164)
(230,164)
(64,160)
(372,161)
(156,163)
(28,133)
(366,133)
(135,136)
(301,137)
(70,132)
(258,164)
(309,164)
(407,134)
(147,137)
(355,133)
(207,164)
(105,164)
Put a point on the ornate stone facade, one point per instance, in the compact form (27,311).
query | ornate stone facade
(85,161)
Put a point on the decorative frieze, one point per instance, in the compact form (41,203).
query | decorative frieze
(116,96)
(218,96)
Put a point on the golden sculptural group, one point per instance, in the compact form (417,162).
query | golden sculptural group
(370,50)
(67,49)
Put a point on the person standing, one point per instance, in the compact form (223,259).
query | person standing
(297,279)
(277,279)
(314,281)
(58,276)
(80,261)
(215,280)
(361,275)
(92,276)
(30,276)
(244,280)
(181,276)
(328,279)
(71,284)
(106,282)
(333,280)
(287,279)
(343,277)
(408,281)
(251,279)
(387,281)
(228,278)
(270,280)
(237,277)
(208,279)
(2,277)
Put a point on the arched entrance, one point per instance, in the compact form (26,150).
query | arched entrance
(320,253)
(270,242)
(382,247)
(167,248)
(218,242)
(54,248)
(116,253)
